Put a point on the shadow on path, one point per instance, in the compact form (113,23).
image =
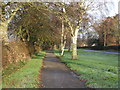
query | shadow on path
(56,75)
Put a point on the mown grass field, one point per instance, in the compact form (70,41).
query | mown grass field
(23,74)
(99,69)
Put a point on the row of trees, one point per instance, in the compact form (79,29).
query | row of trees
(108,31)
(40,23)
(46,24)
(103,33)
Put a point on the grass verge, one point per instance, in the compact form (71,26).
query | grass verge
(99,69)
(25,77)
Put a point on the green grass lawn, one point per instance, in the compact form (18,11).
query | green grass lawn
(28,76)
(99,69)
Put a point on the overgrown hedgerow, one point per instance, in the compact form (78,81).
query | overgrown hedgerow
(27,76)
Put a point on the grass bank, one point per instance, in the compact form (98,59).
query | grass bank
(25,77)
(99,69)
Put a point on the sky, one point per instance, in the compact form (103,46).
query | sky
(109,9)
(115,8)
(112,6)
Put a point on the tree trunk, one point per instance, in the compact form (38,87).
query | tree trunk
(105,38)
(63,47)
(62,40)
(69,46)
(3,33)
(74,45)
(54,47)
(62,50)
(118,40)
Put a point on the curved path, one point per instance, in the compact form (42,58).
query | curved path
(56,75)
(99,51)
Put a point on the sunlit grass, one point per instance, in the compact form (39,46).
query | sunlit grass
(27,76)
(99,69)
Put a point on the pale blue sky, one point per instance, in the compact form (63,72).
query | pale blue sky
(112,7)
(109,9)
(115,10)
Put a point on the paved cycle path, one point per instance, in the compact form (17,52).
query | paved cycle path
(56,75)
(100,51)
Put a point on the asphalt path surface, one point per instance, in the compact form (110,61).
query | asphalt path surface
(99,51)
(56,75)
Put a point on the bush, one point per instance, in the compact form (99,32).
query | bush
(15,51)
